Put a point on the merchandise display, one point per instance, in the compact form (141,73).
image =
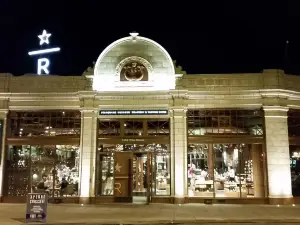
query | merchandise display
(53,169)
(220,170)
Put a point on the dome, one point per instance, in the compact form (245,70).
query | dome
(134,62)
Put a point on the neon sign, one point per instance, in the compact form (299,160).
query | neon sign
(43,63)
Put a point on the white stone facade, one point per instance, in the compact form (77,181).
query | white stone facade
(272,90)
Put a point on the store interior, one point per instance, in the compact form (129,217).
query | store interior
(295,169)
(53,169)
(160,161)
(225,171)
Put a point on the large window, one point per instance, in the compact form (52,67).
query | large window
(225,121)
(50,168)
(225,170)
(225,153)
(294,139)
(43,123)
(133,128)
(160,161)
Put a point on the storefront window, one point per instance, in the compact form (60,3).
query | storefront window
(109,128)
(133,128)
(158,127)
(17,182)
(225,170)
(228,176)
(295,169)
(115,128)
(162,173)
(50,168)
(294,139)
(225,122)
(43,123)
(200,171)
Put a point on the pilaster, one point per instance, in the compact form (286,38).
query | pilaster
(179,153)
(88,146)
(3,117)
(277,150)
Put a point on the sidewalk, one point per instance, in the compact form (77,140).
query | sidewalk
(13,214)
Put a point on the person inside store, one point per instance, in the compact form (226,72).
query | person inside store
(43,185)
(63,186)
(231,174)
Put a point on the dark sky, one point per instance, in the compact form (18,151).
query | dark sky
(213,37)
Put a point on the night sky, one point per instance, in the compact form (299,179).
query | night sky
(203,38)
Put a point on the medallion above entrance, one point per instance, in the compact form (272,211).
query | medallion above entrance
(134,63)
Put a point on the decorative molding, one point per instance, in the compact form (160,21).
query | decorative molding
(178,69)
(29,108)
(89,71)
(276,108)
(138,59)
(130,107)
(179,94)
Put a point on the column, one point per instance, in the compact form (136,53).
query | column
(210,161)
(3,117)
(179,153)
(88,146)
(277,151)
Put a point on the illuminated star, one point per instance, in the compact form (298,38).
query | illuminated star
(118,167)
(44,37)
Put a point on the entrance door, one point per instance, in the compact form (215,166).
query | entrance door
(141,165)
(123,177)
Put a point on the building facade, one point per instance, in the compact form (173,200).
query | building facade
(136,127)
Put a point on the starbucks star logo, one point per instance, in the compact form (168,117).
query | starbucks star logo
(118,167)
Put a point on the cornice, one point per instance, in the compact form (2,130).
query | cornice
(131,106)
(29,108)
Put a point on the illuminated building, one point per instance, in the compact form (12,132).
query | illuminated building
(136,127)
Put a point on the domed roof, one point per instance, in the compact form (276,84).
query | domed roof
(134,45)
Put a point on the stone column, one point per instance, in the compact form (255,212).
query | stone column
(88,147)
(277,151)
(3,117)
(179,153)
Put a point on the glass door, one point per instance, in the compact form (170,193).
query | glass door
(141,190)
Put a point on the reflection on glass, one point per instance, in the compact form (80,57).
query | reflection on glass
(200,171)
(53,169)
(226,170)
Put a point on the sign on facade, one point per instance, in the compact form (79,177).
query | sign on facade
(43,63)
(36,208)
(132,112)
